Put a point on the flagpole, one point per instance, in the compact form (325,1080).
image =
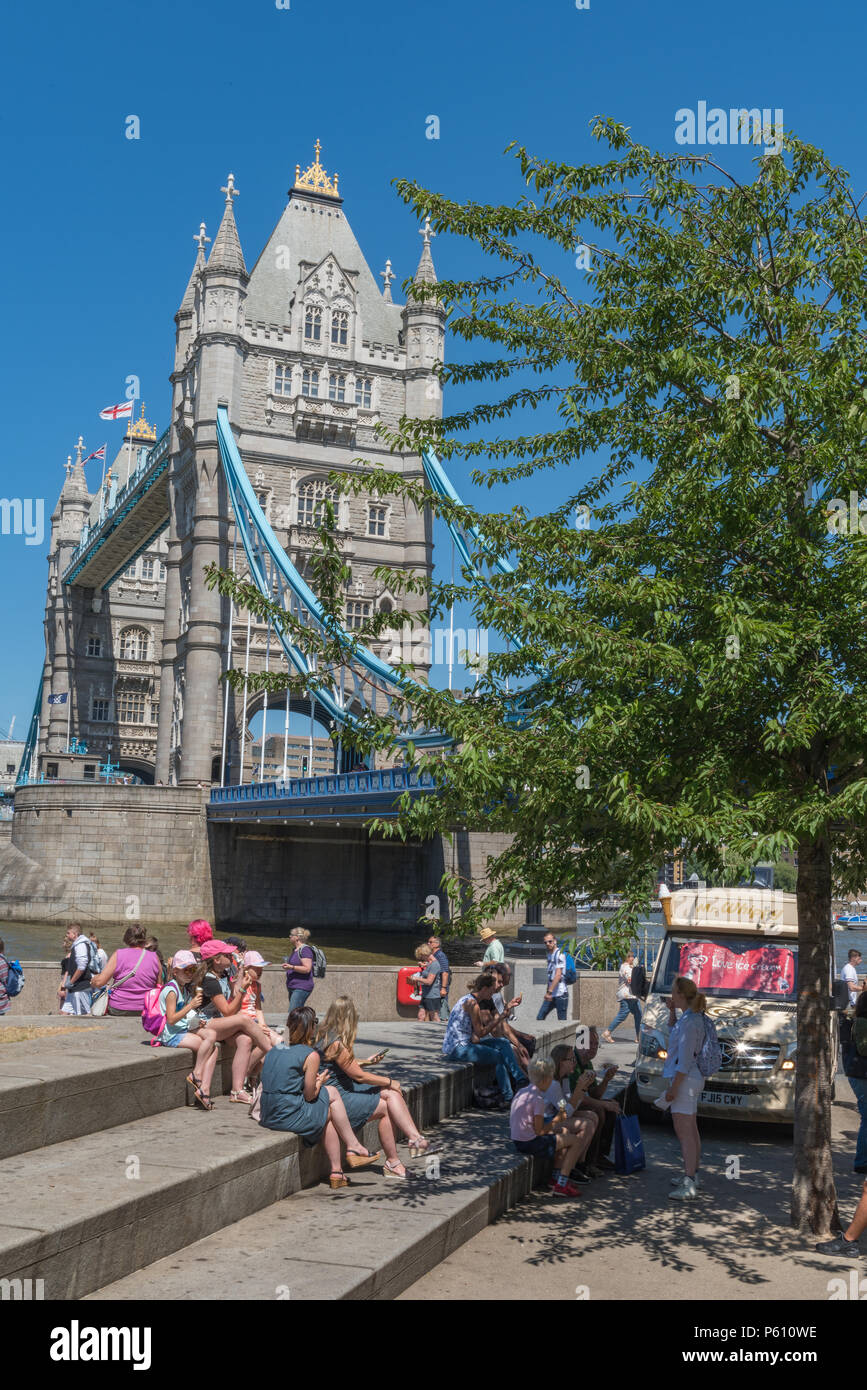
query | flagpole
(68,717)
(129,441)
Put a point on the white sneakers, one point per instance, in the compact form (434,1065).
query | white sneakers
(684,1191)
(676,1181)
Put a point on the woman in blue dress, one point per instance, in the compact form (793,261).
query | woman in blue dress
(298,1097)
(366,1095)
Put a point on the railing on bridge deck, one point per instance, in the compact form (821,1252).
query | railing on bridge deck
(350,791)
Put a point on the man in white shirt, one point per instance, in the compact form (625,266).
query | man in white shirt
(556,995)
(77,992)
(850,974)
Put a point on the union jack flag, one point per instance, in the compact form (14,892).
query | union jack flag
(117,412)
(97,454)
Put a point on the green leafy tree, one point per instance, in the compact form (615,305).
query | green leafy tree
(786,877)
(686,628)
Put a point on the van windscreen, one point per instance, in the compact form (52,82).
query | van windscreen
(724,966)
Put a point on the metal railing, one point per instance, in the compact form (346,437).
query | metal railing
(389,779)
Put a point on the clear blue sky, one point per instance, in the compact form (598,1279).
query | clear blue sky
(98,229)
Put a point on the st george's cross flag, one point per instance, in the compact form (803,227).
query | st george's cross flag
(117,412)
(97,454)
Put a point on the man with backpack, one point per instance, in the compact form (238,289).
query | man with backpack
(75,990)
(557,993)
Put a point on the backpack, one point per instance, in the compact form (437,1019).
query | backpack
(638,982)
(153,1020)
(93,966)
(320,964)
(14,978)
(570,974)
(854,1063)
(709,1058)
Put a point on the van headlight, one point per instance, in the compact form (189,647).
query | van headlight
(791,1058)
(651,1044)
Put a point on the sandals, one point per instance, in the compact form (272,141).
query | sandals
(200,1097)
(420,1146)
(356,1160)
(389,1170)
(241,1097)
(338,1180)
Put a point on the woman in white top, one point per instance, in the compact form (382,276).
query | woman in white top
(627,1002)
(685,1041)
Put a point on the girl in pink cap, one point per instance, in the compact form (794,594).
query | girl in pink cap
(222,1011)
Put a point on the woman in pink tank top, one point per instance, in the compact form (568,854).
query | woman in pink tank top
(142,968)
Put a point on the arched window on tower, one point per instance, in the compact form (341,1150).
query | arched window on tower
(311,497)
(336,386)
(310,382)
(339,327)
(313,323)
(134,644)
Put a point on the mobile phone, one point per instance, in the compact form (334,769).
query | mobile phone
(378,1056)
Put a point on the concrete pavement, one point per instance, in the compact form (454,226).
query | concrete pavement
(623,1239)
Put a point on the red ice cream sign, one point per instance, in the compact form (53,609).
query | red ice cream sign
(757,970)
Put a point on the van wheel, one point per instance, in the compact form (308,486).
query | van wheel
(647,1114)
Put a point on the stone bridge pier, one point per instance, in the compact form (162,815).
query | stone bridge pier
(109,854)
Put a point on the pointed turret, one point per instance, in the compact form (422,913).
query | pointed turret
(74,490)
(226,253)
(425,332)
(425,274)
(189,299)
(387,275)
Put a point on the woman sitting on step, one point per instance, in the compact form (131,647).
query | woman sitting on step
(296,1097)
(130,972)
(366,1095)
(222,1012)
(468,1038)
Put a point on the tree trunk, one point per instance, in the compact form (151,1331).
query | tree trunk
(814,1197)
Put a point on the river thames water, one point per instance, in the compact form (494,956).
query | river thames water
(342,946)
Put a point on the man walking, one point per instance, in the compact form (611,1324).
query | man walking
(850,974)
(556,995)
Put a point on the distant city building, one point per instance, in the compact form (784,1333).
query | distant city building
(671,873)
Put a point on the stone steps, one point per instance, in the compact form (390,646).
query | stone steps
(95,1076)
(102,1073)
(94,1208)
(368,1241)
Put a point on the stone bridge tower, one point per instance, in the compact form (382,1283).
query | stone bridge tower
(308,354)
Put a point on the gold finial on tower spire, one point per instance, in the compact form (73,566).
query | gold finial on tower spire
(141,429)
(315,179)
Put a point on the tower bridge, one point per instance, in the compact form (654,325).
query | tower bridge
(305,354)
(281,375)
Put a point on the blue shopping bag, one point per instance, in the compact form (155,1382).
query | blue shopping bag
(628,1145)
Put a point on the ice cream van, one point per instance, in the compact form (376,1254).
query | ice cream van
(740,946)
